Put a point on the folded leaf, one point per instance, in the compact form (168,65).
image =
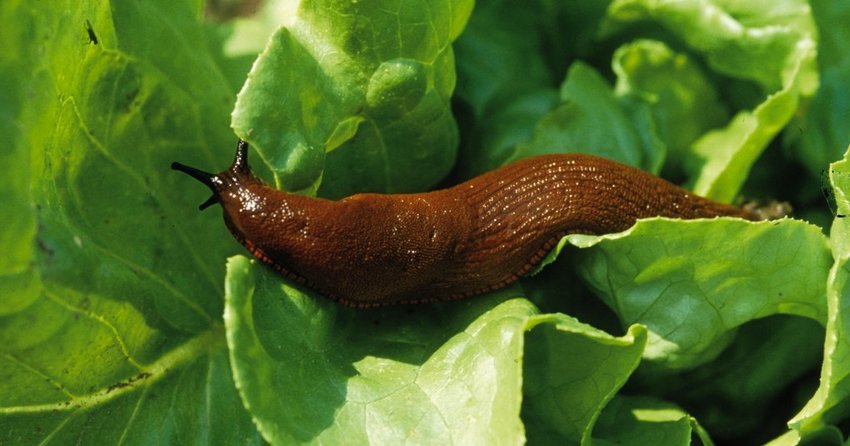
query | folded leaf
(571,371)
(369,85)
(772,46)
(642,420)
(692,282)
(826,406)
(681,99)
(589,120)
(313,372)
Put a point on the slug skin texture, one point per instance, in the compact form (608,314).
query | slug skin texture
(376,249)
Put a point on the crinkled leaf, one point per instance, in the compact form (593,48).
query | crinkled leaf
(772,46)
(830,402)
(369,83)
(571,371)
(112,330)
(690,284)
(311,371)
(762,41)
(682,101)
(116,318)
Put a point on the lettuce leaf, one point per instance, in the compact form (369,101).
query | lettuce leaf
(822,134)
(691,288)
(642,420)
(368,84)
(827,406)
(110,314)
(313,373)
(120,321)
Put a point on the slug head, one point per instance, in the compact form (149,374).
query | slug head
(237,173)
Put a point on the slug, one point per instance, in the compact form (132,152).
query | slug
(369,250)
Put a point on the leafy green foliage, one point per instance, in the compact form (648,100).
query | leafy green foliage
(368,82)
(685,286)
(563,390)
(109,313)
(121,323)
(826,407)
(310,373)
(587,99)
(823,133)
(642,420)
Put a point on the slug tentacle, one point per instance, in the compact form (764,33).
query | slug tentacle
(198,174)
(208,179)
(375,249)
(238,172)
(240,161)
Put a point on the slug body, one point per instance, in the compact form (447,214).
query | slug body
(375,249)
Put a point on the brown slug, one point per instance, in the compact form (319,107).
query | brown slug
(376,249)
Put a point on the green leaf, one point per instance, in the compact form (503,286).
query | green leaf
(113,310)
(185,396)
(691,287)
(250,34)
(512,123)
(510,58)
(369,83)
(508,94)
(682,101)
(571,371)
(762,41)
(590,120)
(735,395)
(313,372)
(829,403)
(18,277)
(642,420)
(820,135)
(772,46)
(729,153)
(112,286)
